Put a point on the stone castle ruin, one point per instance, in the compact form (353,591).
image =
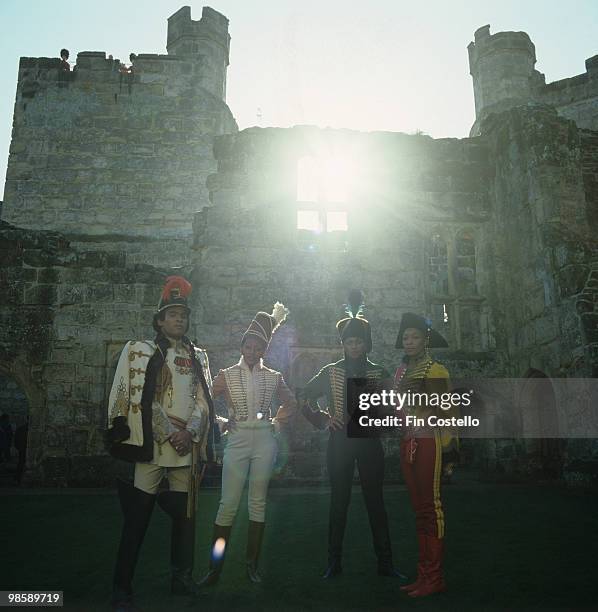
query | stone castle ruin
(115,179)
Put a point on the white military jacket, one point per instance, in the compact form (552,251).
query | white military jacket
(250,393)
(179,401)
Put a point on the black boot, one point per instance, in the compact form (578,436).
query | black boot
(137,506)
(386,568)
(182,542)
(217,554)
(382,546)
(255,534)
(334,568)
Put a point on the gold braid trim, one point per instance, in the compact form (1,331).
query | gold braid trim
(414,379)
(120,407)
(337,386)
(163,384)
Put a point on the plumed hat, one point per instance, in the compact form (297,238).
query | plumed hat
(175,293)
(355,325)
(409,319)
(264,325)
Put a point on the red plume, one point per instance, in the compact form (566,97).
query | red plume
(176,282)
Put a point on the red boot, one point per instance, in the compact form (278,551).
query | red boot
(433,581)
(421,565)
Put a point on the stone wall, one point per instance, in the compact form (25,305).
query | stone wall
(523,195)
(249,251)
(575,98)
(117,160)
(545,255)
(539,193)
(66,315)
(492,236)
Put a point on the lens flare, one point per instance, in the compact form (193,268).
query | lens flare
(260,415)
(219,548)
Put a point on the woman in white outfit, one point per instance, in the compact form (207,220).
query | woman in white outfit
(249,389)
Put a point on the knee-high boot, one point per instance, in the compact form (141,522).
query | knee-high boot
(421,561)
(255,534)
(433,580)
(137,507)
(182,543)
(220,543)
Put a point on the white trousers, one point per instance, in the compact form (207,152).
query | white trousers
(148,477)
(251,449)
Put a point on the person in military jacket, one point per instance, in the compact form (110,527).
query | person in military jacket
(160,417)
(343,452)
(423,447)
(250,390)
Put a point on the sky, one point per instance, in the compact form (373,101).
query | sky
(390,65)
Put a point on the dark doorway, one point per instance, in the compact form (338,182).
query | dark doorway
(14,427)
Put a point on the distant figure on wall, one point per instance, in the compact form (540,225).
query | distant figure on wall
(20,444)
(5,437)
(64,56)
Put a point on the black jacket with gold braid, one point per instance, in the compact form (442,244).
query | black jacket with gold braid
(330,382)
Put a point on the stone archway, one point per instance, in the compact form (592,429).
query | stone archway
(537,402)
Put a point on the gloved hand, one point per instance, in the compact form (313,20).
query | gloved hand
(119,432)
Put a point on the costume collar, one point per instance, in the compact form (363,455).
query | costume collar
(177,345)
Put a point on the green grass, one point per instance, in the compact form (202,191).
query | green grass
(508,547)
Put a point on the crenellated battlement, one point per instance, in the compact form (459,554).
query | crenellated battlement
(503,73)
(502,68)
(206,40)
(198,54)
(183,30)
(109,152)
(171,72)
(485,44)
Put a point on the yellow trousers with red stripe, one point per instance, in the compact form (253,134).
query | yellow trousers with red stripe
(421,465)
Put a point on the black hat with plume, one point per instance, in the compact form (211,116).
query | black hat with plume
(355,325)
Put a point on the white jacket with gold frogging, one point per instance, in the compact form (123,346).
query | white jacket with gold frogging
(179,401)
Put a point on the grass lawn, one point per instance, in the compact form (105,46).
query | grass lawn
(508,547)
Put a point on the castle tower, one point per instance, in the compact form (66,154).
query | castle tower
(118,159)
(206,41)
(502,68)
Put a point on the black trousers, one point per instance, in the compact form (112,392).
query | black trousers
(342,454)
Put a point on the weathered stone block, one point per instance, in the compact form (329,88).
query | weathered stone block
(40,294)
(100,293)
(590,327)
(572,279)
(59,373)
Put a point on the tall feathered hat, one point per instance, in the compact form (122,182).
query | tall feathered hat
(175,293)
(409,319)
(264,325)
(355,325)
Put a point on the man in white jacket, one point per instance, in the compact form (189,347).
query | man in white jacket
(160,417)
